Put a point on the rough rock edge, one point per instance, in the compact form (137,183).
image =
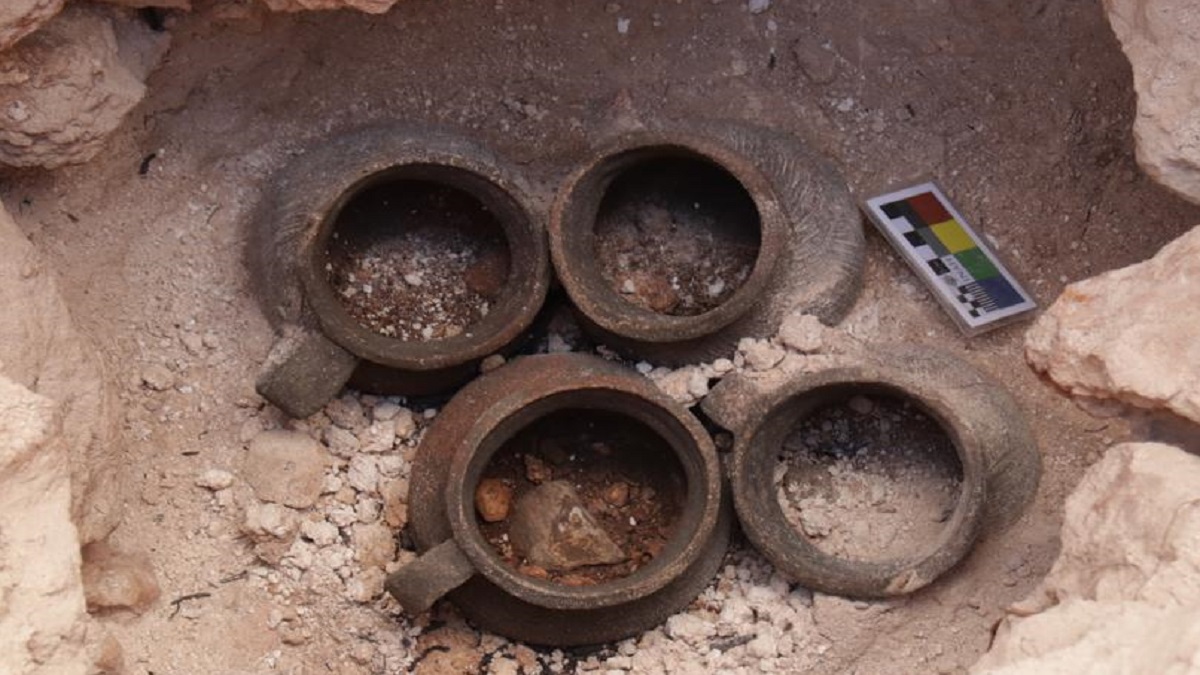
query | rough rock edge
(19,18)
(1123,595)
(71,84)
(1114,336)
(1159,38)
(43,625)
(41,350)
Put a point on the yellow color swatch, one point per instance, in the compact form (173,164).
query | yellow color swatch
(952,236)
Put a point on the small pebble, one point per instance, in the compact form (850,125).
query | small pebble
(493,499)
(617,494)
(214,479)
(491,363)
(861,405)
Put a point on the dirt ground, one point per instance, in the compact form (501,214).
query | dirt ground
(1022,110)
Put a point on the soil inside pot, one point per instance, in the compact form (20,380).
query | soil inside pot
(417,260)
(627,478)
(677,236)
(868,478)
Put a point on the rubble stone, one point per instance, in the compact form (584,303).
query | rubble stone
(1159,38)
(268,521)
(406,424)
(113,580)
(319,532)
(1128,334)
(347,413)
(760,354)
(395,502)
(1123,595)
(41,350)
(286,467)
(363,474)
(19,18)
(553,530)
(67,90)
(374,544)
(803,333)
(40,588)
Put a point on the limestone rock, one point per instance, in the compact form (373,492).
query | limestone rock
(685,385)
(214,479)
(19,18)
(1129,334)
(266,522)
(363,474)
(1159,38)
(41,350)
(1124,594)
(115,581)
(285,467)
(803,333)
(42,617)
(406,424)
(395,502)
(374,545)
(65,89)
(760,354)
(320,532)
(368,6)
(553,530)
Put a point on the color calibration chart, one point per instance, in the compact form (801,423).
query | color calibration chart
(936,241)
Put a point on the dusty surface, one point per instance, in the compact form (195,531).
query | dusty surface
(871,478)
(1023,113)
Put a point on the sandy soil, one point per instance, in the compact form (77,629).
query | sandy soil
(1022,111)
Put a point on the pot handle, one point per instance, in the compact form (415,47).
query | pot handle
(419,584)
(304,371)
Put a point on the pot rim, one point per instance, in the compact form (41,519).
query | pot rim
(765,523)
(697,520)
(523,295)
(572,223)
